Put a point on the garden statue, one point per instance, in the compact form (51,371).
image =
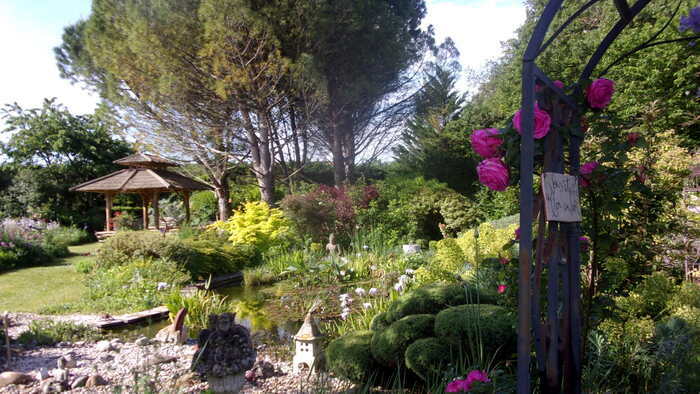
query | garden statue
(331,246)
(308,346)
(176,332)
(225,352)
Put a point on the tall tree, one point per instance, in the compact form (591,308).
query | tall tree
(48,151)
(200,80)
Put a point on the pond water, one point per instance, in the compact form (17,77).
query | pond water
(250,312)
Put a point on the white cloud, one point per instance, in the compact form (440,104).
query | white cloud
(477,27)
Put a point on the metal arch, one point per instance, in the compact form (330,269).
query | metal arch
(561,362)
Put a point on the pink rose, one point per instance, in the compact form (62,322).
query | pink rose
(493,173)
(485,142)
(599,93)
(542,123)
(501,290)
(559,84)
(478,376)
(457,386)
(587,168)
(632,138)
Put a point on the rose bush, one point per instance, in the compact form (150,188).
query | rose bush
(493,173)
(600,92)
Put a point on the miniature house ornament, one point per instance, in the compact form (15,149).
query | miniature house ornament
(308,346)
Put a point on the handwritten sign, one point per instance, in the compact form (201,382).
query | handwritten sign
(561,201)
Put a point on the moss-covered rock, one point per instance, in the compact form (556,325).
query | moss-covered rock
(461,326)
(350,357)
(428,357)
(432,299)
(379,322)
(389,345)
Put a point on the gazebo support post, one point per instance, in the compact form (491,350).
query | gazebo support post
(108,211)
(144,207)
(156,213)
(186,202)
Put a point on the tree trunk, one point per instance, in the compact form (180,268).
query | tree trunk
(261,156)
(222,196)
(339,174)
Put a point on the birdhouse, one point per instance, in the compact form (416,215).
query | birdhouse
(308,346)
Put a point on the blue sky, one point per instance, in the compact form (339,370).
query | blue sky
(31,28)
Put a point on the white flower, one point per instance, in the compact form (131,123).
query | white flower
(367,305)
(403,279)
(344,296)
(410,271)
(373,291)
(344,315)
(344,259)
(358,254)
(162,286)
(373,267)
(365,247)
(398,287)
(346,310)
(360,291)
(342,273)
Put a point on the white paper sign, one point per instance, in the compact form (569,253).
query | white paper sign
(561,197)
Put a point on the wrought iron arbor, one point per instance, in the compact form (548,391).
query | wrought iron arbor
(557,337)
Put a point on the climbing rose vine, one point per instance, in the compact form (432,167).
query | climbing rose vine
(542,123)
(600,92)
(493,173)
(486,142)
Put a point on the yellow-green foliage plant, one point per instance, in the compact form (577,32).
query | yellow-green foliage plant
(461,256)
(256,224)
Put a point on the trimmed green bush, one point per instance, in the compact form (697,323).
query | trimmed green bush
(428,357)
(350,357)
(461,326)
(379,322)
(432,299)
(389,345)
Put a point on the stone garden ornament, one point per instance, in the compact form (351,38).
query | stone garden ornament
(309,353)
(225,352)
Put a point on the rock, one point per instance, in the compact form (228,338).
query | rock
(117,341)
(42,373)
(169,334)
(63,344)
(142,341)
(157,359)
(94,381)
(66,362)
(60,375)
(105,358)
(78,382)
(104,346)
(411,248)
(80,343)
(8,378)
(186,380)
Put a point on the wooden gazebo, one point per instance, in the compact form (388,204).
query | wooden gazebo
(148,176)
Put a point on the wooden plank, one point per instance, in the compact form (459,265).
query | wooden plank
(158,313)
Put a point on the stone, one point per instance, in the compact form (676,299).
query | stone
(66,362)
(142,341)
(60,375)
(186,380)
(104,346)
(411,248)
(95,380)
(78,382)
(170,334)
(308,352)
(224,352)
(8,378)
(42,373)
(157,359)
(63,344)
(331,246)
(80,343)
(105,358)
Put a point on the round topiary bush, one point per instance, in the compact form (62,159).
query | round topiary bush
(350,357)
(428,357)
(379,322)
(432,299)
(389,345)
(461,326)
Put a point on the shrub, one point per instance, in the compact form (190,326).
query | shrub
(432,299)
(126,246)
(428,357)
(257,225)
(687,295)
(650,297)
(84,266)
(379,322)
(199,306)
(467,325)
(137,285)
(350,357)
(389,345)
(19,254)
(47,332)
(203,207)
(66,236)
(125,220)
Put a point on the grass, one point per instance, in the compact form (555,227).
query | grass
(38,289)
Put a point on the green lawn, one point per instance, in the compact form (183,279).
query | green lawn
(37,288)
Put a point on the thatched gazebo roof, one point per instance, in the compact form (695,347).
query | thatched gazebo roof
(148,176)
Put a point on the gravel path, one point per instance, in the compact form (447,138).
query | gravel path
(136,366)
